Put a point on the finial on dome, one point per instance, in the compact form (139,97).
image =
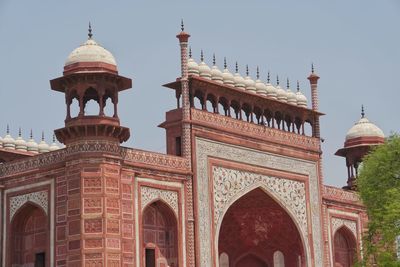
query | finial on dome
(42,135)
(182,25)
(190,52)
(225,63)
(201,55)
(362,111)
(298,86)
(54,138)
(287,83)
(213,59)
(247,70)
(90,31)
(258,73)
(277,80)
(19,132)
(312,67)
(268,77)
(237,67)
(8,129)
(31,135)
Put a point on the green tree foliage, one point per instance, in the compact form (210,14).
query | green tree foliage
(379,187)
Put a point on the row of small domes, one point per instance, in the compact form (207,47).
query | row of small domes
(247,83)
(19,144)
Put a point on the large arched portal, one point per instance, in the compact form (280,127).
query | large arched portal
(160,239)
(255,228)
(344,248)
(30,238)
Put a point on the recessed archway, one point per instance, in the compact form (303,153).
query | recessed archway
(255,225)
(160,236)
(344,246)
(29,243)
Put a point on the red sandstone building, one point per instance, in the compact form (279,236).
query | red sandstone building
(241,184)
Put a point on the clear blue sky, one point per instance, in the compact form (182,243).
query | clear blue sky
(355,46)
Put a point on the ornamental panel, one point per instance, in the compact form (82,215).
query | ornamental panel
(150,194)
(339,222)
(230,184)
(38,198)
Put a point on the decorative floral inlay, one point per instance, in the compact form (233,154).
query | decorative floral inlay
(150,194)
(39,198)
(229,183)
(339,222)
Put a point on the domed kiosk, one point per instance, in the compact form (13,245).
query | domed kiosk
(90,73)
(361,137)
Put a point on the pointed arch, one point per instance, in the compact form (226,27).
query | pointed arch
(344,247)
(159,235)
(297,237)
(30,236)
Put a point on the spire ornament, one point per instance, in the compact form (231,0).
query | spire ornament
(19,132)
(31,135)
(42,135)
(182,25)
(214,59)
(258,73)
(90,31)
(201,55)
(237,67)
(362,111)
(287,83)
(225,63)
(298,86)
(312,67)
(190,52)
(277,80)
(268,77)
(247,70)
(8,129)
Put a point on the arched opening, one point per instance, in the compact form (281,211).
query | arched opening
(257,226)
(91,102)
(30,237)
(108,107)
(344,246)
(160,238)
(223,260)
(279,259)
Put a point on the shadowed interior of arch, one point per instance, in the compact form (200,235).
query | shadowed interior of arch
(29,242)
(160,239)
(256,224)
(344,248)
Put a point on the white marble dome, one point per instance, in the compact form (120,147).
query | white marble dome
(301,99)
(32,146)
(216,74)
(8,141)
(90,51)
(271,90)
(239,81)
(20,143)
(261,89)
(1,142)
(364,128)
(227,77)
(291,97)
(204,70)
(193,67)
(281,94)
(54,145)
